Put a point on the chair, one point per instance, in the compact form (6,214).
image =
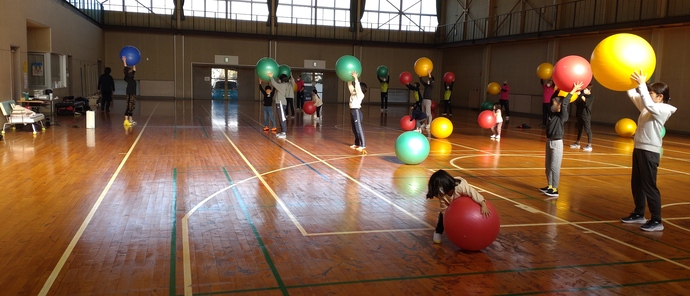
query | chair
(15,114)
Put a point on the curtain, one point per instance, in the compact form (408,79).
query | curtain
(174,16)
(439,12)
(272,11)
(355,18)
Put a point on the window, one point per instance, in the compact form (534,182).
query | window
(256,10)
(48,70)
(58,71)
(405,15)
(314,12)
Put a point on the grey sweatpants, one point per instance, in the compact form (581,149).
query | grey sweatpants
(426,107)
(554,158)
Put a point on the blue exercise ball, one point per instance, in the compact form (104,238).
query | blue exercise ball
(412,147)
(132,55)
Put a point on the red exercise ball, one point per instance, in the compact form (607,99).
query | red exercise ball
(486,119)
(309,107)
(449,77)
(467,228)
(570,70)
(434,105)
(406,124)
(405,78)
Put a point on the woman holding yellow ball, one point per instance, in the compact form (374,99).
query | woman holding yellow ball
(654,112)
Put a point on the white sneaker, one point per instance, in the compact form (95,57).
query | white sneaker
(419,130)
(281,136)
(360,149)
(575,145)
(587,148)
(382,110)
(437,238)
(507,117)
(426,127)
(354,146)
(493,136)
(498,137)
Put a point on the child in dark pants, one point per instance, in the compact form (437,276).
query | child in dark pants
(268,106)
(448,188)
(131,92)
(654,112)
(583,113)
(417,114)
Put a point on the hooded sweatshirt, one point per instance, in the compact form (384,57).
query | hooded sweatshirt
(652,118)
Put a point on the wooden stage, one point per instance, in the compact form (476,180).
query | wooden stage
(197,200)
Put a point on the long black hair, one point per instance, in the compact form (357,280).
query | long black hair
(661,89)
(441,182)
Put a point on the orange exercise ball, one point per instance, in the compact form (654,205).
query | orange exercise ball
(441,127)
(544,71)
(493,88)
(618,56)
(625,127)
(423,66)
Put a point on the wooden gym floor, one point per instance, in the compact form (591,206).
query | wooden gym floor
(197,199)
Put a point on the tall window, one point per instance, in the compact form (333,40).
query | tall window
(404,15)
(314,12)
(256,10)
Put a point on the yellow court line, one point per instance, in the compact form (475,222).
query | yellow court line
(367,188)
(77,236)
(368,231)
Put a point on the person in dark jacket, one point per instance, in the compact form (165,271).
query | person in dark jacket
(131,92)
(554,139)
(106,85)
(583,113)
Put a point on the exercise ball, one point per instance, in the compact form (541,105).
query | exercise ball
(663,131)
(265,66)
(309,107)
(284,70)
(487,105)
(423,66)
(617,56)
(544,71)
(441,127)
(449,77)
(405,78)
(382,71)
(406,124)
(572,69)
(467,228)
(344,67)
(131,54)
(625,127)
(486,119)
(411,147)
(434,105)
(493,88)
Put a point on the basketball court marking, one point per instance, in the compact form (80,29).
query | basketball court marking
(77,236)
(674,224)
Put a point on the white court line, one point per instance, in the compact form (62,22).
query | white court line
(581,222)
(367,231)
(674,224)
(77,236)
(366,187)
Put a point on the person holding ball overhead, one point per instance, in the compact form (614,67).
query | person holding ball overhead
(654,112)
(426,99)
(357,91)
(131,92)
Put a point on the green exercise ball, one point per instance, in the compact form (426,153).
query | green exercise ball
(487,105)
(412,147)
(382,71)
(265,66)
(663,131)
(345,65)
(284,69)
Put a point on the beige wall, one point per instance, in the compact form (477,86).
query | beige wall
(70,34)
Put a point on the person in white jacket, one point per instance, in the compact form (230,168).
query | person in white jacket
(281,88)
(654,112)
(357,91)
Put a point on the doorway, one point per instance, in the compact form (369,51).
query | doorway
(223,84)
(312,80)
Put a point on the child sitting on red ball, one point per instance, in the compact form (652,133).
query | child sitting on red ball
(448,188)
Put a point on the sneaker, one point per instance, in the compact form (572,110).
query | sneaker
(354,146)
(450,114)
(498,137)
(265,128)
(493,136)
(132,122)
(426,127)
(587,148)
(127,123)
(552,192)
(652,225)
(545,189)
(634,219)
(437,238)
(575,145)
(444,114)
(419,130)
(281,136)
(382,110)
(274,129)
(360,149)
(507,117)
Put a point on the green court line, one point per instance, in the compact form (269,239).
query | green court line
(596,288)
(203,128)
(173,238)
(432,276)
(267,256)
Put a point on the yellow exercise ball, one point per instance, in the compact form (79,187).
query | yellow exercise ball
(423,66)
(493,88)
(544,71)
(625,127)
(618,56)
(441,127)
